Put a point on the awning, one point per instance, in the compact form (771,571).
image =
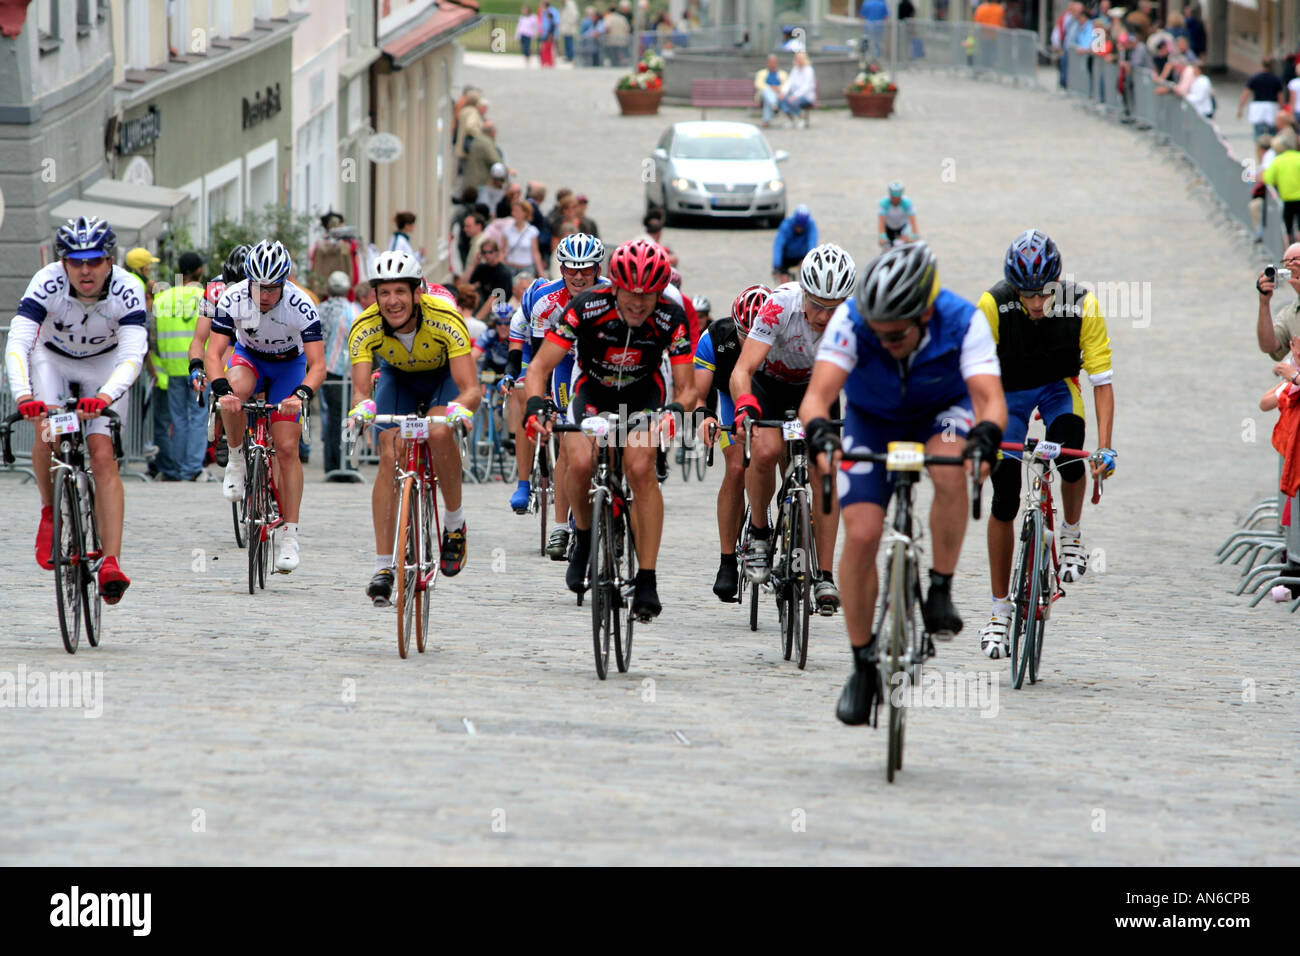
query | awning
(443,24)
(174,203)
(134,225)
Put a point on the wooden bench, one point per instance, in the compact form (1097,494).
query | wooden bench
(726,93)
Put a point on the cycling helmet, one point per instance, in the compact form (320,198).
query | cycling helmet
(802,214)
(702,305)
(268,263)
(895,188)
(1032,261)
(233,269)
(899,284)
(502,311)
(640,266)
(86,237)
(397,267)
(580,251)
(746,306)
(828,272)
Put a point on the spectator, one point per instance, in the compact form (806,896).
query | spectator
(768,83)
(1275,331)
(536,195)
(1200,95)
(336,317)
(556,215)
(176,312)
(796,236)
(480,165)
(1183,48)
(494,190)
(548,25)
(1264,155)
(1195,29)
(799,92)
(990,13)
(467,303)
(1265,93)
(401,240)
(592,35)
(569,27)
(339,250)
(654,229)
(584,222)
(469,123)
(520,244)
(1062,39)
(1161,52)
(490,277)
(529,28)
(140,263)
(491,350)
(1283,174)
(475,229)
(520,285)
(617,37)
(873,13)
(1139,22)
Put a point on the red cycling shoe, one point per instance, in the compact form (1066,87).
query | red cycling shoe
(45,539)
(112,582)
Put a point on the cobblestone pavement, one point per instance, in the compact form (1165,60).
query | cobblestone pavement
(284,728)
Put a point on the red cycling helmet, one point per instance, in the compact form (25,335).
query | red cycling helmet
(640,266)
(746,306)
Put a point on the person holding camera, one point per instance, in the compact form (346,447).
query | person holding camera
(1275,332)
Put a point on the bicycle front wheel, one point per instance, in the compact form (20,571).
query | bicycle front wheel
(480,449)
(93,549)
(406,562)
(803,584)
(254,518)
(701,463)
(624,559)
(237,511)
(1026,598)
(67,557)
(604,602)
(783,578)
(1045,592)
(430,554)
(898,625)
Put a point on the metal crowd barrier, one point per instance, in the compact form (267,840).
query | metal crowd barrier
(927,44)
(495,33)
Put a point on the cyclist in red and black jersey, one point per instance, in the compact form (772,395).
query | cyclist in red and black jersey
(622,332)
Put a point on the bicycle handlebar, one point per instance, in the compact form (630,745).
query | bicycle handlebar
(6,429)
(880,458)
(1078,453)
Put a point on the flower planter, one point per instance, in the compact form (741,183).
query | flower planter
(871,105)
(639,102)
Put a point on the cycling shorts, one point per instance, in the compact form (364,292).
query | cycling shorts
(591,398)
(404,393)
(862,482)
(277,379)
(562,382)
(53,376)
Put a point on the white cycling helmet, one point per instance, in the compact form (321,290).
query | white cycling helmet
(396,267)
(268,263)
(828,272)
(580,251)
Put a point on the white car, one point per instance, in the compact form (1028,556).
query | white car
(725,170)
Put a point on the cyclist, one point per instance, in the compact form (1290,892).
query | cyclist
(232,271)
(580,257)
(492,350)
(795,238)
(422,348)
(702,309)
(917,363)
(278,348)
(896,217)
(1046,332)
(621,333)
(715,359)
(770,378)
(95,341)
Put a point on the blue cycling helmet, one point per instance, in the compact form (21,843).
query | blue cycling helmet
(268,263)
(86,237)
(801,215)
(503,311)
(580,251)
(1032,261)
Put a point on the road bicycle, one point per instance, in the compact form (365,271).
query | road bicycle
(692,458)
(746,585)
(76,549)
(1036,582)
(611,573)
(794,562)
(901,647)
(238,507)
(487,454)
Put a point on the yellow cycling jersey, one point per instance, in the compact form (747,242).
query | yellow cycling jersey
(440,336)
(1034,352)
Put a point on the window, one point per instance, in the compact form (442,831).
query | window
(355,94)
(261,162)
(84,18)
(354,29)
(178,28)
(220,14)
(47,23)
(136,32)
(261,9)
(223,197)
(194,219)
(317,140)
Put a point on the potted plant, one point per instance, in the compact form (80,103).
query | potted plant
(640,91)
(872,93)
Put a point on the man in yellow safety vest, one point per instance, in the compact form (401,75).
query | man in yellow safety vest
(176,311)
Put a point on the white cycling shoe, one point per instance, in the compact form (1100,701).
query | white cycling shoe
(286,553)
(1074,558)
(232,486)
(995,636)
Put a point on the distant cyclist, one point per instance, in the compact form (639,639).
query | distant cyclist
(492,349)
(794,239)
(896,217)
(703,308)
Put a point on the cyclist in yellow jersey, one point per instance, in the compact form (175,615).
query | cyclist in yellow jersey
(1047,331)
(422,348)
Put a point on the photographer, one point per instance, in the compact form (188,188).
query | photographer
(1275,332)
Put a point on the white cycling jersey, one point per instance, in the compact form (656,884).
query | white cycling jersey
(51,317)
(782,324)
(281,331)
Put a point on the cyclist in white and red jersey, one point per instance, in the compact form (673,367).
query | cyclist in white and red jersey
(231,272)
(80,323)
(770,379)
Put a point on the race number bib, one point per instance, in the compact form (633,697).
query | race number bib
(417,428)
(64,424)
(793,431)
(1047,450)
(905,456)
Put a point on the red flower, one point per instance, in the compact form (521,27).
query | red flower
(641,68)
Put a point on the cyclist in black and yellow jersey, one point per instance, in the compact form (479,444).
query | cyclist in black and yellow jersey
(1047,331)
(422,347)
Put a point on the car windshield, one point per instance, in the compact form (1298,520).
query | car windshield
(720,146)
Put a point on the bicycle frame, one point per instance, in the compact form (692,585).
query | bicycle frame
(259,445)
(419,465)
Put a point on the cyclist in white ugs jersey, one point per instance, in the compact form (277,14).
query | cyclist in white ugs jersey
(279,349)
(81,322)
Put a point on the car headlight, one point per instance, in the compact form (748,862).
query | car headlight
(775,186)
(684,185)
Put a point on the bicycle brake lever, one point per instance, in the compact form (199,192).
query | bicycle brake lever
(977,487)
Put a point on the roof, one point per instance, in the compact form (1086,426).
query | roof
(445,22)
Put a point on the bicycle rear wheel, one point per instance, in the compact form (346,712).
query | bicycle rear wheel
(430,556)
(66,553)
(1026,598)
(742,548)
(480,449)
(93,550)
(803,583)
(685,451)
(406,563)
(897,624)
(625,559)
(604,602)
(783,578)
(701,463)
(237,511)
(254,518)
(1045,592)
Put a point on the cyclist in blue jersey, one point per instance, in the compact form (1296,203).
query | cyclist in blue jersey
(896,217)
(715,360)
(795,238)
(917,363)
(492,349)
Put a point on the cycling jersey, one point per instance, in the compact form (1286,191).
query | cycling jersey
(440,335)
(211,293)
(717,353)
(495,349)
(896,217)
(956,345)
(782,324)
(114,322)
(278,334)
(1035,352)
(614,354)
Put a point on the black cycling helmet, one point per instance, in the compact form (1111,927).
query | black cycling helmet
(899,284)
(232,270)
